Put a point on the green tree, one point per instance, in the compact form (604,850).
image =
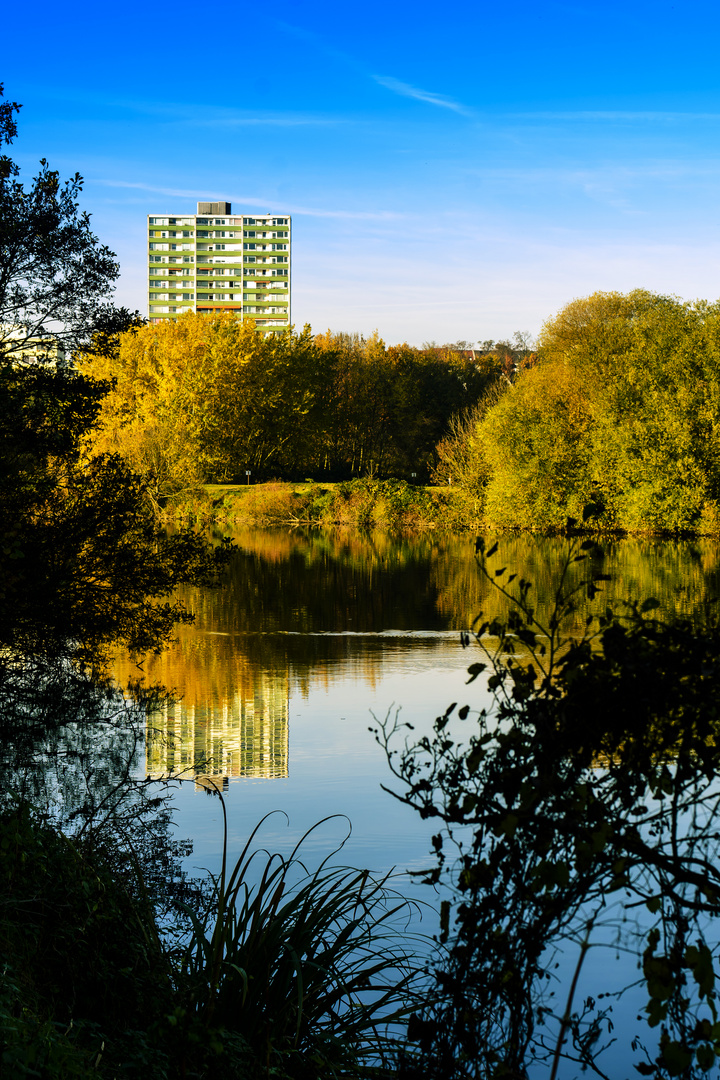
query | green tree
(535,442)
(622,408)
(55,276)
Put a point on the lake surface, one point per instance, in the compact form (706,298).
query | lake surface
(313,633)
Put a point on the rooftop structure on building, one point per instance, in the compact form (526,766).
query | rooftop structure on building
(219,261)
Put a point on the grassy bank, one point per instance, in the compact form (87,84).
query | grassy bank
(367,503)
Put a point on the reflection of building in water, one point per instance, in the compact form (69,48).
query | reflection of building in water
(245,736)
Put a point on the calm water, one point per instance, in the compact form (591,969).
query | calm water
(310,635)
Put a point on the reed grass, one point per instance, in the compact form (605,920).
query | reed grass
(307,969)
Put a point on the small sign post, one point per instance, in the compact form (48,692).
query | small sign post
(247,473)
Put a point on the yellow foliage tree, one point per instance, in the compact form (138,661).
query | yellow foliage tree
(207,395)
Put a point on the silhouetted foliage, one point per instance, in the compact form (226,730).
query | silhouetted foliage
(587,789)
(55,276)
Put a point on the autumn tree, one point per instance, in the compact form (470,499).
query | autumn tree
(621,409)
(230,396)
(388,406)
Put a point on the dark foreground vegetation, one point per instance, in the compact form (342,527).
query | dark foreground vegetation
(583,793)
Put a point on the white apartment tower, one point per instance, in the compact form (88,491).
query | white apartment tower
(217,261)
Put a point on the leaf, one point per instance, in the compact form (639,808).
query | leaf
(444,920)
(649,605)
(474,670)
(705,1057)
(491,551)
(675,1057)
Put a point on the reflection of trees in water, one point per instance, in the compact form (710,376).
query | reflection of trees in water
(72,746)
(70,741)
(682,575)
(307,582)
(279,621)
(315,581)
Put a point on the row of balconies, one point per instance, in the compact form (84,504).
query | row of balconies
(227,234)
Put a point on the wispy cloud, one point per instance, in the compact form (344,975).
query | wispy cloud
(269,121)
(249,200)
(395,86)
(204,116)
(427,96)
(613,115)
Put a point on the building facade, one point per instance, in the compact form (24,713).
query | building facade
(17,346)
(219,261)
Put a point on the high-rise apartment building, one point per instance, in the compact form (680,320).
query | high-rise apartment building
(219,261)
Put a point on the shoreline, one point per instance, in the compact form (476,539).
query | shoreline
(368,503)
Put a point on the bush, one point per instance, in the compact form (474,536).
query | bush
(589,782)
(85,979)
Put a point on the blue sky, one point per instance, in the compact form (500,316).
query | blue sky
(455,171)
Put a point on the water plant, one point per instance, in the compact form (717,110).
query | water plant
(302,972)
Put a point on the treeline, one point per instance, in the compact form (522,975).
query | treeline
(207,399)
(618,411)
(620,415)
